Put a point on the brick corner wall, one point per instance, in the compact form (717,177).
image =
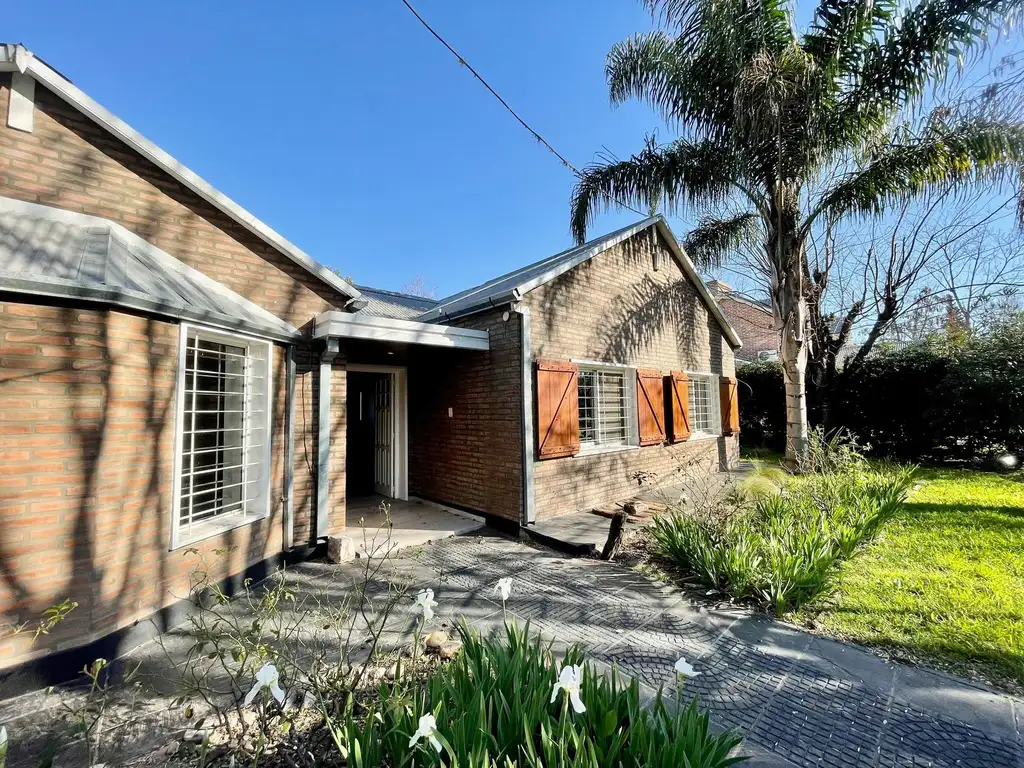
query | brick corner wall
(472,459)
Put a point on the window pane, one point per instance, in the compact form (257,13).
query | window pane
(587,397)
(612,409)
(213,467)
(700,403)
(603,407)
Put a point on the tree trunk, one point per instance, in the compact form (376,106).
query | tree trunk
(789,305)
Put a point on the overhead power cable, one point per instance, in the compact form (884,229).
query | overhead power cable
(462,61)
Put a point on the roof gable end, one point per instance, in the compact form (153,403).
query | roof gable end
(16,58)
(512,286)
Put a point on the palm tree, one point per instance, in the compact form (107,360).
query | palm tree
(780,130)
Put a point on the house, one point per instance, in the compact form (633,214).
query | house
(752,320)
(180,385)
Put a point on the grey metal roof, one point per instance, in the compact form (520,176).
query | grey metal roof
(512,286)
(52,252)
(399,306)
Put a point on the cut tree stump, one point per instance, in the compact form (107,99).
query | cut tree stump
(615,531)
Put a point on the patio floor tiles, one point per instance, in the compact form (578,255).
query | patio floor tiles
(913,738)
(818,720)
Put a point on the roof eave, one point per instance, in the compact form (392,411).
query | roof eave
(16,58)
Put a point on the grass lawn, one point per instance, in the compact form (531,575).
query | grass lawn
(943,582)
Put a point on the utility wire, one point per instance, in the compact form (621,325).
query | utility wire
(505,104)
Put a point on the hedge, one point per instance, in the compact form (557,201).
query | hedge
(938,402)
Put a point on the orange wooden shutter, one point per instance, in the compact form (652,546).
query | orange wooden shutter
(650,407)
(558,406)
(730,407)
(679,406)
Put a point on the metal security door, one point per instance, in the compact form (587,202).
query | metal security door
(383,441)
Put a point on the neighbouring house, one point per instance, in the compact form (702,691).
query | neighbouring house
(180,385)
(752,320)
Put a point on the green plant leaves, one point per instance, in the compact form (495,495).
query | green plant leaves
(493,710)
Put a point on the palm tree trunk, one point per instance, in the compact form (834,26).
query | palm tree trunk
(790,308)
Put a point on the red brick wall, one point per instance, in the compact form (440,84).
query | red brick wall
(618,308)
(68,162)
(87,418)
(472,459)
(753,324)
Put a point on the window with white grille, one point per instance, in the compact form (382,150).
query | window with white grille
(606,406)
(223,463)
(704,418)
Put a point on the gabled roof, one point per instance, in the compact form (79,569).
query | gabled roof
(513,286)
(400,306)
(48,251)
(16,58)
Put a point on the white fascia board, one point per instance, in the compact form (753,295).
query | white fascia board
(344,325)
(587,255)
(12,60)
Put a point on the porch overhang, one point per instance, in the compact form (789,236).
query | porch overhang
(346,325)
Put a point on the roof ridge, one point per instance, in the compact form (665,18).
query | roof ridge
(385,291)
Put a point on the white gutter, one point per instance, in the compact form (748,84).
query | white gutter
(16,58)
(289,451)
(334,325)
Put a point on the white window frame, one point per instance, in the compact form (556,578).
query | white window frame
(715,406)
(629,383)
(220,524)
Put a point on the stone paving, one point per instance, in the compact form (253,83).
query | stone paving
(799,700)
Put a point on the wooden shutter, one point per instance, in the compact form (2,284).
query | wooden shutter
(678,406)
(730,407)
(558,406)
(650,407)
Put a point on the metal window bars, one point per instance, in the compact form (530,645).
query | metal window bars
(218,463)
(701,409)
(603,407)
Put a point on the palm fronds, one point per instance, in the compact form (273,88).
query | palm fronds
(713,239)
(976,148)
(679,173)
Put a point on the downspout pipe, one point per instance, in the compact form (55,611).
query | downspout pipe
(529,512)
(289,450)
(323,463)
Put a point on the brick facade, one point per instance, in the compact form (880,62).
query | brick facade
(87,421)
(85,501)
(472,459)
(618,308)
(752,321)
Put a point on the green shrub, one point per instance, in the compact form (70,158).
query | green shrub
(780,549)
(947,400)
(493,709)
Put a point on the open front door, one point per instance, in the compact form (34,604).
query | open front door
(383,441)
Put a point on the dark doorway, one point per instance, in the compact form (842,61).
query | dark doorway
(369,443)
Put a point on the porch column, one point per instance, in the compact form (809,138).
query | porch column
(323,464)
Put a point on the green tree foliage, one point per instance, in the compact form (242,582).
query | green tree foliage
(958,397)
(778,130)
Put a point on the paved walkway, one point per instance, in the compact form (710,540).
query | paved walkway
(798,699)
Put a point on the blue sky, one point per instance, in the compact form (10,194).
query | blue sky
(351,131)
